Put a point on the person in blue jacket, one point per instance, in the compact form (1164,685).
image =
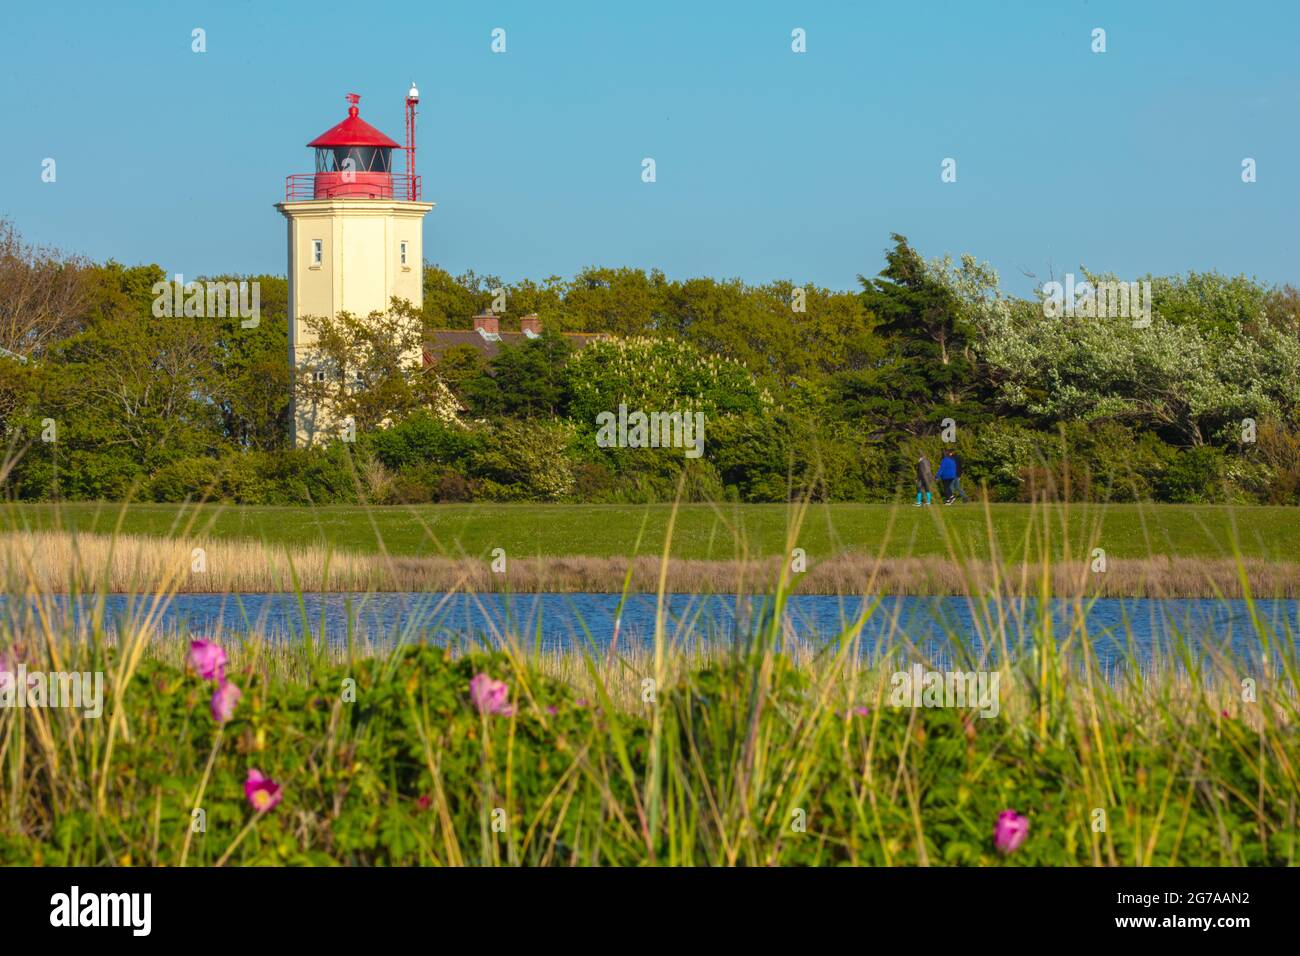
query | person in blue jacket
(947,476)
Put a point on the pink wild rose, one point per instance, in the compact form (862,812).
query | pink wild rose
(262,792)
(8,670)
(1010,831)
(9,664)
(208,658)
(224,700)
(490,696)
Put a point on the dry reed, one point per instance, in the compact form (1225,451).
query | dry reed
(60,562)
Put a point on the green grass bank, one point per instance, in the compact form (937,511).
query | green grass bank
(708,532)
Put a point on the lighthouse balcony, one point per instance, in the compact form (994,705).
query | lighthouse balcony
(299,187)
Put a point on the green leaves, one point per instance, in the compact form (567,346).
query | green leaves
(750,742)
(928,370)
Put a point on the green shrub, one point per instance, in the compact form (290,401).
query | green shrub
(421,439)
(520,461)
(1193,477)
(309,475)
(233,478)
(753,455)
(1122,465)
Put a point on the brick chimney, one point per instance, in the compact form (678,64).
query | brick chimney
(530,323)
(486,322)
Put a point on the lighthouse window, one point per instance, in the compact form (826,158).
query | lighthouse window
(320,375)
(403,250)
(356,159)
(317,251)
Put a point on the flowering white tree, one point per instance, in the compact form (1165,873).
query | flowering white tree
(658,374)
(1209,358)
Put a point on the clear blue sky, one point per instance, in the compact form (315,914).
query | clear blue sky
(770,164)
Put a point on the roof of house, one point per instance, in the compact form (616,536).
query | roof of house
(440,340)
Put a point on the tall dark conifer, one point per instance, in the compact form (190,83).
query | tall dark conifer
(928,371)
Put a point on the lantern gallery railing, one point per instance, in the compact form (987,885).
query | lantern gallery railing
(299,187)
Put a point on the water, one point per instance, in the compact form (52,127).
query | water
(568,620)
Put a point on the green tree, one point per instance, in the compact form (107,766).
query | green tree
(522,381)
(623,301)
(450,302)
(252,384)
(928,370)
(366,370)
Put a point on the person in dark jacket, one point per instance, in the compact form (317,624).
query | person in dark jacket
(924,479)
(956,481)
(947,475)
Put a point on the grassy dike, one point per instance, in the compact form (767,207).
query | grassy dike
(703,531)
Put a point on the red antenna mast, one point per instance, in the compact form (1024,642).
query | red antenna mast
(412,100)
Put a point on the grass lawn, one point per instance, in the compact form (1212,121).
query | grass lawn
(706,531)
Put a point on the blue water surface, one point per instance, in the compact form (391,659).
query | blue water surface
(1115,627)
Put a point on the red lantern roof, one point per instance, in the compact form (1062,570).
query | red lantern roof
(354,131)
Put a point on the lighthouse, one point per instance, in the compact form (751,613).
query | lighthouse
(355,241)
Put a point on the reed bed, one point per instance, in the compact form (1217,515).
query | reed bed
(61,562)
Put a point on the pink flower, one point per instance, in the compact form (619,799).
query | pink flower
(224,700)
(858,711)
(424,801)
(208,658)
(1226,714)
(1010,831)
(489,695)
(9,664)
(262,792)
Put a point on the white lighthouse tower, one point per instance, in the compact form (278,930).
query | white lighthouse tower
(355,240)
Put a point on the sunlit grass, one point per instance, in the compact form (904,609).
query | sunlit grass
(699,531)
